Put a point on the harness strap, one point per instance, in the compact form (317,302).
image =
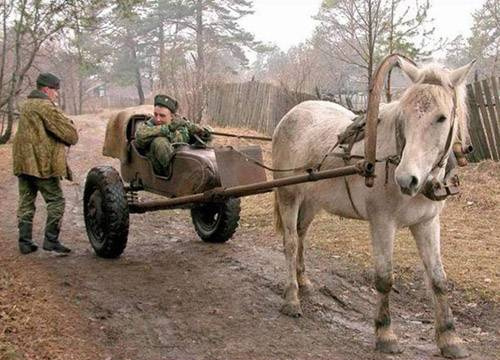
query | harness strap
(348,189)
(350,197)
(258,163)
(449,140)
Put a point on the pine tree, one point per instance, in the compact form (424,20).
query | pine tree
(484,43)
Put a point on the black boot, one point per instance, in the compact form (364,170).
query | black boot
(51,242)
(26,244)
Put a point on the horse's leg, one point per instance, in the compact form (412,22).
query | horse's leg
(383,233)
(427,236)
(305,217)
(288,211)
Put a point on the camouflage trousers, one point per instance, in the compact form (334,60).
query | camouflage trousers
(160,153)
(51,191)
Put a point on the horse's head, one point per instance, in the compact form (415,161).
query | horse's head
(432,113)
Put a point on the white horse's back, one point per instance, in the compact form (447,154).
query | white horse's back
(312,125)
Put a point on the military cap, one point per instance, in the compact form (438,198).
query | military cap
(166,101)
(48,79)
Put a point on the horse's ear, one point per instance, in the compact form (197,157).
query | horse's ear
(459,75)
(409,69)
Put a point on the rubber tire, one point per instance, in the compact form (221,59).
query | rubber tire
(224,226)
(109,236)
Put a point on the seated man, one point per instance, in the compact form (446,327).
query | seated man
(156,135)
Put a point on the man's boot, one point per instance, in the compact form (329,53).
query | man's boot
(26,244)
(51,242)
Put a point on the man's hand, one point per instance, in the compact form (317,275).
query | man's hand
(206,133)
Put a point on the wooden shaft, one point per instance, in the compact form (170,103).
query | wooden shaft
(218,194)
(263,138)
(372,111)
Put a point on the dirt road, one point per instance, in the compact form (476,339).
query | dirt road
(171,296)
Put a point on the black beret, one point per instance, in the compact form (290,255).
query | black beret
(166,101)
(48,79)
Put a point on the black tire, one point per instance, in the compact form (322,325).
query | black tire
(106,213)
(216,222)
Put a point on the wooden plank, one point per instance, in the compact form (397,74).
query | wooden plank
(254,105)
(484,122)
(475,128)
(492,117)
(494,88)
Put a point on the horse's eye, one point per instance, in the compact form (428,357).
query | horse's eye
(441,119)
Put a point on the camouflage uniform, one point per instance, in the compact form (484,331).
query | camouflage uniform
(157,140)
(39,157)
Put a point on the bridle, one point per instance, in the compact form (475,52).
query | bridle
(433,189)
(433,184)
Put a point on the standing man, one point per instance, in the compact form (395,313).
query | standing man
(156,135)
(39,154)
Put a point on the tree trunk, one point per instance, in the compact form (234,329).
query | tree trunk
(388,95)
(371,45)
(4,47)
(80,81)
(14,79)
(10,120)
(200,90)
(80,94)
(174,68)
(137,71)
(162,65)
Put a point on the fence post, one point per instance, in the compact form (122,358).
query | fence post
(484,120)
(475,128)
(493,119)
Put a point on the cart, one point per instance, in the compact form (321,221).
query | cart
(207,181)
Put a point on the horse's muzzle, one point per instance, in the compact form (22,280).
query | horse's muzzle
(409,184)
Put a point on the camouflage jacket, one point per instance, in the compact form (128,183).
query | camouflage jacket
(42,134)
(178,130)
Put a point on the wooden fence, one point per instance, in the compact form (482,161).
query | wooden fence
(96,104)
(260,106)
(484,125)
(252,105)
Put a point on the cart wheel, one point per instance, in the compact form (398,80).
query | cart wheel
(216,222)
(105,209)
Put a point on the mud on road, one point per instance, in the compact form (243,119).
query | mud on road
(171,296)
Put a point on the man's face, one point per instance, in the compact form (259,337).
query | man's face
(162,115)
(52,93)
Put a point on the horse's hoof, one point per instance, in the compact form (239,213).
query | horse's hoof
(454,351)
(291,309)
(388,347)
(306,288)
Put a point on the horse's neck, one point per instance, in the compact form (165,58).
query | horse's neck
(386,132)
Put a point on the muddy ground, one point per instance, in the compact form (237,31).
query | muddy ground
(171,296)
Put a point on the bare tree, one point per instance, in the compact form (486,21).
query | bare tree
(360,32)
(352,29)
(35,22)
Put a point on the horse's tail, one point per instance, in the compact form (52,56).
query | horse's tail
(278,225)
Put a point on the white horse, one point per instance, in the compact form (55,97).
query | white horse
(430,113)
